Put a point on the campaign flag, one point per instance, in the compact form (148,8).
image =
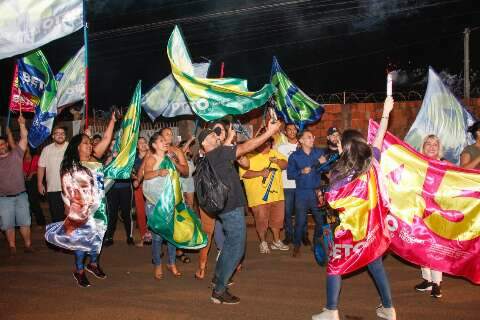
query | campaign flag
(167,99)
(434,218)
(36,78)
(211,99)
(21,101)
(443,115)
(121,166)
(361,236)
(71,80)
(171,217)
(29,24)
(291,103)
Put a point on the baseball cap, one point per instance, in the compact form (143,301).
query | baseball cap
(203,134)
(331,131)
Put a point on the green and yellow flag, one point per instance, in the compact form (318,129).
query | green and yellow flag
(172,218)
(121,166)
(211,99)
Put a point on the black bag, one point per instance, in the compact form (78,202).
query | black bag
(211,192)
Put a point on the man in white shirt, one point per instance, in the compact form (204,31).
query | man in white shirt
(49,167)
(289,185)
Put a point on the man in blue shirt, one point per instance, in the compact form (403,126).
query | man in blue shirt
(303,167)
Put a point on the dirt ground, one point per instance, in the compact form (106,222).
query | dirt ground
(276,286)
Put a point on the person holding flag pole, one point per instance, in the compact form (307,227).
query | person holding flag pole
(359,163)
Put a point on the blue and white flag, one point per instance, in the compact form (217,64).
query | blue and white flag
(29,24)
(167,99)
(443,115)
(71,80)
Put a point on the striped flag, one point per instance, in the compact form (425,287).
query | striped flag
(291,103)
(211,99)
(121,166)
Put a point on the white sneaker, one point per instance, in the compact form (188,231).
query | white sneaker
(386,313)
(279,245)
(264,247)
(326,315)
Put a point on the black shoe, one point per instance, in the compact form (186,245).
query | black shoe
(306,242)
(130,241)
(224,298)
(436,291)
(214,280)
(108,242)
(81,278)
(287,241)
(296,251)
(424,286)
(96,271)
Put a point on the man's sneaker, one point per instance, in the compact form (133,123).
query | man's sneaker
(214,281)
(81,278)
(96,271)
(436,291)
(107,242)
(264,247)
(424,286)
(326,315)
(279,245)
(386,313)
(224,298)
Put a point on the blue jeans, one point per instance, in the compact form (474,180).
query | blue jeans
(219,234)
(233,248)
(157,242)
(80,258)
(289,209)
(15,211)
(334,283)
(306,199)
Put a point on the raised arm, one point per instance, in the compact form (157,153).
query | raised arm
(382,128)
(180,162)
(23,133)
(103,145)
(11,140)
(253,143)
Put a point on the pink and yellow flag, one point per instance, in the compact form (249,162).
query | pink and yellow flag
(362,235)
(434,218)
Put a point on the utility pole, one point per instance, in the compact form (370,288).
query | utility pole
(466,64)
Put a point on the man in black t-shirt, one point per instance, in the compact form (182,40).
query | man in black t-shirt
(221,158)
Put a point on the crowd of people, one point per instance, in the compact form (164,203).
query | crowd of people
(279,182)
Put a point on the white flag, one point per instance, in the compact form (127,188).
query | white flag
(71,80)
(28,24)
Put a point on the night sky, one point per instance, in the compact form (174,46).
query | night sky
(324,46)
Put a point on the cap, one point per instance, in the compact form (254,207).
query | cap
(331,131)
(203,134)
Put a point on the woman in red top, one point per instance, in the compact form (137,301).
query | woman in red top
(30,166)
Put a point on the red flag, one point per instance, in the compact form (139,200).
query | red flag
(21,101)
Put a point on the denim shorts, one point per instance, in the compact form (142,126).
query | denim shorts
(14,211)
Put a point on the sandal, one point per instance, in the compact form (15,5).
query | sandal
(173,269)
(200,274)
(158,273)
(183,257)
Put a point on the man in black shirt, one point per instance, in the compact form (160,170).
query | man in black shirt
(221,158)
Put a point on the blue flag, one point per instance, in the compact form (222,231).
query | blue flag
(443,115)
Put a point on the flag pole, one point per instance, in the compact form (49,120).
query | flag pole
(85,40)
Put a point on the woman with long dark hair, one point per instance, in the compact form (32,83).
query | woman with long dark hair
(356,159)
(83,193)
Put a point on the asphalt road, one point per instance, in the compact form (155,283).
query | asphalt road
(276,286)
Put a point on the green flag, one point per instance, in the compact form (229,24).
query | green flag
(211,99)
(121,166)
